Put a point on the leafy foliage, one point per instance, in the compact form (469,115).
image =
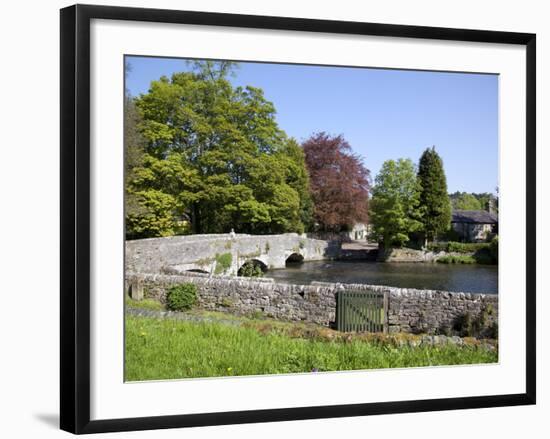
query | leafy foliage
(339,182)
(395,200)
(467,325)
(250,269)
(457,247)
(480,253)
(434,200)
(465,201)
(181,297)
(451,259)
(474,201)
(223,263)
(214,160)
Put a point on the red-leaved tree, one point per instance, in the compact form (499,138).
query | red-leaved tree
(339,182)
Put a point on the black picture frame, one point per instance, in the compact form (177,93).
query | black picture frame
(75,218)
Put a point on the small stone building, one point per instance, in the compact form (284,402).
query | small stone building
(474,225)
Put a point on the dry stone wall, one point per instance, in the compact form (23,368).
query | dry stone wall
(244,295)
(409,310)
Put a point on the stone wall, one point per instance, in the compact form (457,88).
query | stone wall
(316,304)
(425,311)
(409,310)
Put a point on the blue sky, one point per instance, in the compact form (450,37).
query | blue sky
(383,114)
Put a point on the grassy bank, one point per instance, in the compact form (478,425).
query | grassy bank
(468,253)
(451,259)
(167,349)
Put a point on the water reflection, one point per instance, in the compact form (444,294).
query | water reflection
(432,276)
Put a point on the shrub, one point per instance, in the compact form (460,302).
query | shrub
(450,259)
(438,246)
(223,263)
(488,254)
(466,247)
(483,253)
(484,256)
(181,297)
(463,324)
(250,269)
(457,247)
(478,326)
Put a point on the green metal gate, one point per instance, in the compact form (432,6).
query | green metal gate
(361,311)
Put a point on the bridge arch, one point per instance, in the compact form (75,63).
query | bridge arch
(294,258)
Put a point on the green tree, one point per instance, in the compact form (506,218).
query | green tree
(134,150)
(474,201)
(215,155)
(435,204)
(147,213)
(466,201)
(294,161)
(394,205)
(163,188)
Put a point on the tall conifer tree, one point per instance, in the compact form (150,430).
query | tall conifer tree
(434,200)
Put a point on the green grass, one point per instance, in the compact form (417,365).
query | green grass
(150,304)
(168,349)
(450,259)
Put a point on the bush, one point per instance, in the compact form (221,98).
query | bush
(467,325)
(458,247)
(489,253)
(250,269)
(484,256)
(466,247)
(463,325)
(450,259)
(223,263)
(482,252)
(438,246)
(181,297)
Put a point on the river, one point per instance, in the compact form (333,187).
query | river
(432,276)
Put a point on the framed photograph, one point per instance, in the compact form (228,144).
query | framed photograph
(271,218)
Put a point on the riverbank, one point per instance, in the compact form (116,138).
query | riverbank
(445,252)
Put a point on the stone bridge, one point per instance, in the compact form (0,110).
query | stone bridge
(223,253)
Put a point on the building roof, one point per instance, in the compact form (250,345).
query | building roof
(474,217)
